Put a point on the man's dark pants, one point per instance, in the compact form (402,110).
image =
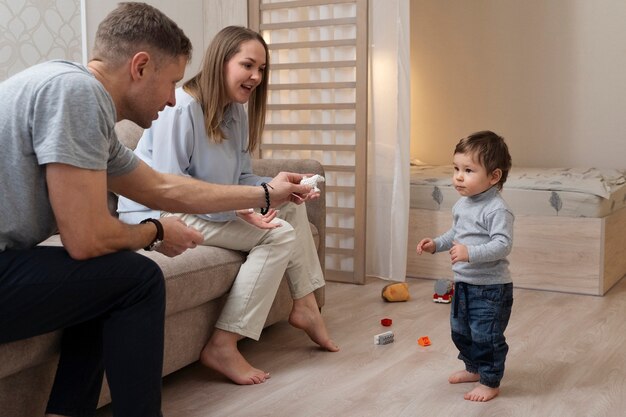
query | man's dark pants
(112,311)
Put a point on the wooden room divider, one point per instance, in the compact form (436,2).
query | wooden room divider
(318,109)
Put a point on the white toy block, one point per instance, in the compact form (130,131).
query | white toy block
(312,181)
(383,338)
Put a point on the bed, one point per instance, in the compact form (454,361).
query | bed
(570,226)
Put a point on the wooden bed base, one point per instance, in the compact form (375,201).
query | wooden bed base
(569,254)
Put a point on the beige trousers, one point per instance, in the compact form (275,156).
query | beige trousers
(289,248)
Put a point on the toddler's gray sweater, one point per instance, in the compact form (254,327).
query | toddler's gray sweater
(484,224)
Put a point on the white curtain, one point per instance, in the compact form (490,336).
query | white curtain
(389,139)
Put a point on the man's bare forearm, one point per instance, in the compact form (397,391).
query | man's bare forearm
(180,194)
(186,195)
(176,193)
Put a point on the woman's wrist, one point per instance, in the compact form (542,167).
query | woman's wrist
(266,190)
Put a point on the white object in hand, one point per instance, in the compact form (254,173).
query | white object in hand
(312,181)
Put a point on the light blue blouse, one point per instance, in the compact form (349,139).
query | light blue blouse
(177,144)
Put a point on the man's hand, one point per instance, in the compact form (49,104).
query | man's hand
(285,187)
(177,236)
(259,220)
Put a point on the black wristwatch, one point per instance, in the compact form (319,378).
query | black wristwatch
(158,239)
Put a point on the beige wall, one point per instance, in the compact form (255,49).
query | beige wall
(550,76)
(37,31)
(199,19)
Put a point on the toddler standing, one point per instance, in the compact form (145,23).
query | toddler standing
(479,241)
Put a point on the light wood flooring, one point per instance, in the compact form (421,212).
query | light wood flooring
(567,358)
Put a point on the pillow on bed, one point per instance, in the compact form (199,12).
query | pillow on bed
(600,182)
(432,174)
(415,161)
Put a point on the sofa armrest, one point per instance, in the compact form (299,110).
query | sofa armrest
(316,209)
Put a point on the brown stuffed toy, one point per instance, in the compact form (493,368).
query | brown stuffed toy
(398,291)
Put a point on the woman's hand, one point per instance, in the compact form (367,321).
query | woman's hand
(259,220)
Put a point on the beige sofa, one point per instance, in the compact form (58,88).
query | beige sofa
(196,282)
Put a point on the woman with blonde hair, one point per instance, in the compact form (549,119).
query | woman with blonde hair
(207,135)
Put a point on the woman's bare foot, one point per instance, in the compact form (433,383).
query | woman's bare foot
(305,315)
(463,376)
(221,354)
(482,393)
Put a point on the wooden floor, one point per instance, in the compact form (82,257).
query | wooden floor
(567,358)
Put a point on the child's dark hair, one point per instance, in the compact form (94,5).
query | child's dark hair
(491,151)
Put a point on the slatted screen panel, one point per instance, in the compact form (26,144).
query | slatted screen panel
(318,109)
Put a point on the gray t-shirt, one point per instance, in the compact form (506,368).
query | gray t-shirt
(55,112)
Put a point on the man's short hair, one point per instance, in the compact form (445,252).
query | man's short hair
(133,27)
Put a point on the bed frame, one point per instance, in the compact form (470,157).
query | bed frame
(569,254)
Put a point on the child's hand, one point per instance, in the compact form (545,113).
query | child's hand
(458,253)
(427,245)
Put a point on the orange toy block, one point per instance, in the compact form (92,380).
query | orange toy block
(423,341)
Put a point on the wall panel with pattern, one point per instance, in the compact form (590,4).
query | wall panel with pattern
(33,31)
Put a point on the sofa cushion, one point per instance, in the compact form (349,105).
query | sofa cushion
(197,275)
(27,353)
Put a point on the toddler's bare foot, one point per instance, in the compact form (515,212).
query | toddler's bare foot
(305,315)
(226,359)
(482,393)
(463,376)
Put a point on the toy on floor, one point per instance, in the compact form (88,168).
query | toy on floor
(383,338)
(398,291)
(423,341)
(386,322)
(444,291)
(312,181)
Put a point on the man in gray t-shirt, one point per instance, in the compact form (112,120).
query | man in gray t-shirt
(59,156)
(77,132)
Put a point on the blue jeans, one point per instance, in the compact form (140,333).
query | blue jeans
(112,311)
(478,319)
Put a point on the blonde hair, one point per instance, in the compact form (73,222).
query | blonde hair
(209,85)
